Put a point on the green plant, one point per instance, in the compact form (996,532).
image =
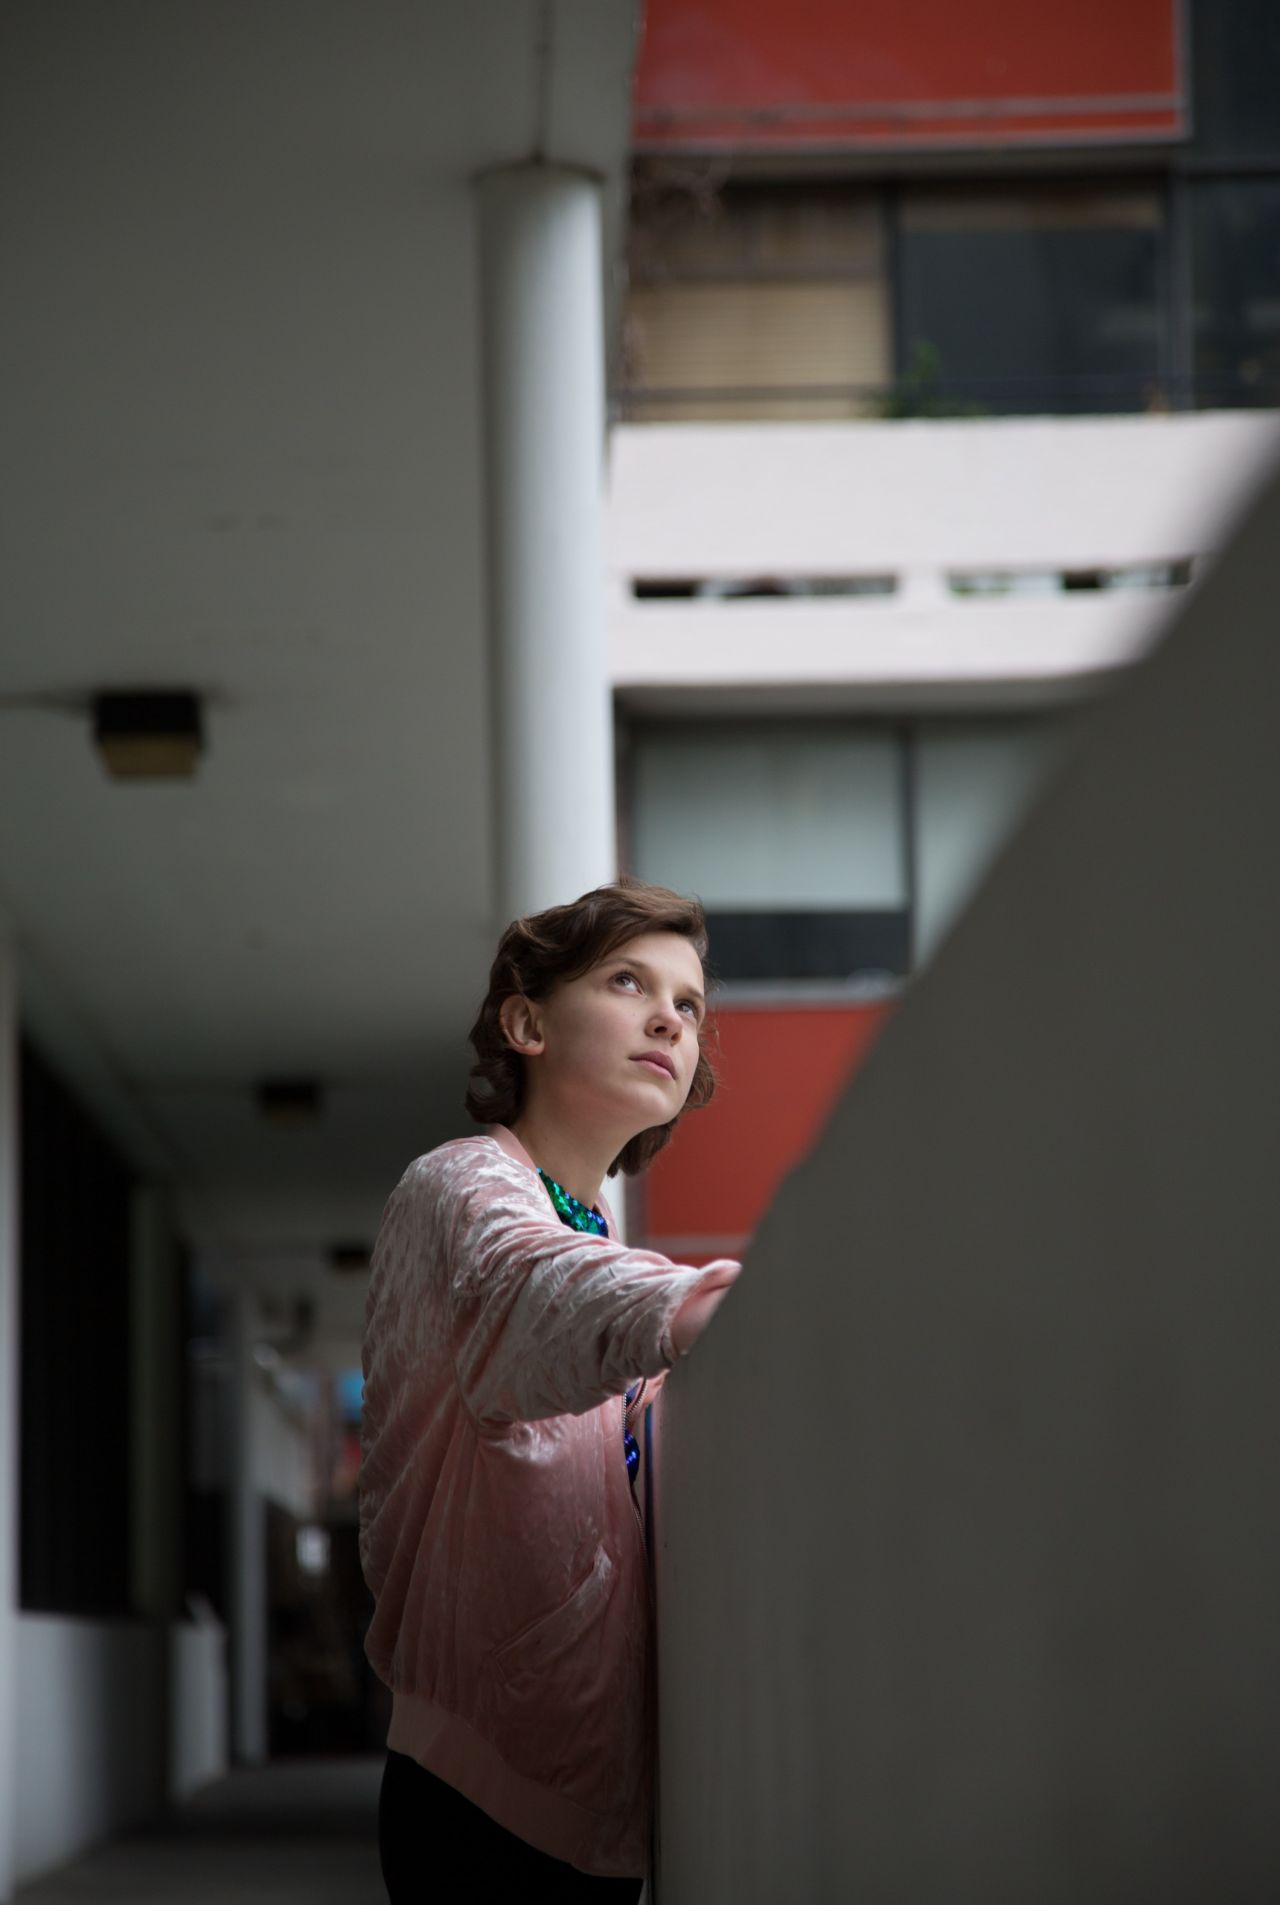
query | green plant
(915,393)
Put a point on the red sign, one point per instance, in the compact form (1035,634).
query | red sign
(846,75)
(779,1070)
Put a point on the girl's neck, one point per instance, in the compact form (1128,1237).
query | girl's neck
(576,1162)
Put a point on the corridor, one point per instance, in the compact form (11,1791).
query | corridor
(303,1829)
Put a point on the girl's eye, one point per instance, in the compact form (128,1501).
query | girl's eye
(689,1002)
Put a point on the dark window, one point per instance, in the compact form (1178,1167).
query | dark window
(74,1377)
(810,945)
(1236,78)
(1034,299)
(1235,226)
(205,1440)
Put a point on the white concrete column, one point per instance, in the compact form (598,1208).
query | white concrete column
(10,1324)
(247,1548)
(542,324)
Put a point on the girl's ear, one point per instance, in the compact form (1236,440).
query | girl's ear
(518,1019)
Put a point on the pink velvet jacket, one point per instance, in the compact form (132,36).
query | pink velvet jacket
(499,1533)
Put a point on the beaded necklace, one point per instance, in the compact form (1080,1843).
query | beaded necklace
(576,1214)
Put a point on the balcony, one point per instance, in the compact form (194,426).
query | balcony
(918,564)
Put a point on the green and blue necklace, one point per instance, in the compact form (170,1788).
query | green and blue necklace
(572,1211)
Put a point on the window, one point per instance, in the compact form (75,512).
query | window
(975,780)
(791,834)
(1235,226)
(1236,70)
(755,301)
(1040,298)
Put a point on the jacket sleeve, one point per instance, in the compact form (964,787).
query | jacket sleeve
(548,1321)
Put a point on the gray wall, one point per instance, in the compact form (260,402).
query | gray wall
(967,1550)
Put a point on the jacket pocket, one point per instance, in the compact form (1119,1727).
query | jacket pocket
(534,1648)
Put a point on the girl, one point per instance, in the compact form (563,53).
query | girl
(508,1338)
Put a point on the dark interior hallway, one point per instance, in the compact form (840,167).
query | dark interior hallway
(303,1829)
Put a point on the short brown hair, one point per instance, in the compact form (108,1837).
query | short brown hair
(537,953)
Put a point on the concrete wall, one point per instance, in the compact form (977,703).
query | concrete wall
(922,502)
(968,1557)
(89,1723)
(198,1705)
(113,1720)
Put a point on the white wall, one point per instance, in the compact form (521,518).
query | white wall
(920,501)
(198,1705)
(89,1718)
(977,1600)
(113,1719)
(917,495)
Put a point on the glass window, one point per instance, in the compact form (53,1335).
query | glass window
(1235,242)
(1236,78)
(1036,299)
(790,834)
(975,780)
(756,814)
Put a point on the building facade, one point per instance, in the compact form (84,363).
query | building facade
(951,350)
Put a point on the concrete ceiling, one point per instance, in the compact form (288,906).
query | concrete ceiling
(243,455)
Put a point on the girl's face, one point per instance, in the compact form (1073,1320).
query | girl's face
(586,1040)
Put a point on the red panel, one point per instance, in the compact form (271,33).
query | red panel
(780,1071)
(848,74)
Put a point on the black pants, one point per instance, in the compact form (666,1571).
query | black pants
(436,1847)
